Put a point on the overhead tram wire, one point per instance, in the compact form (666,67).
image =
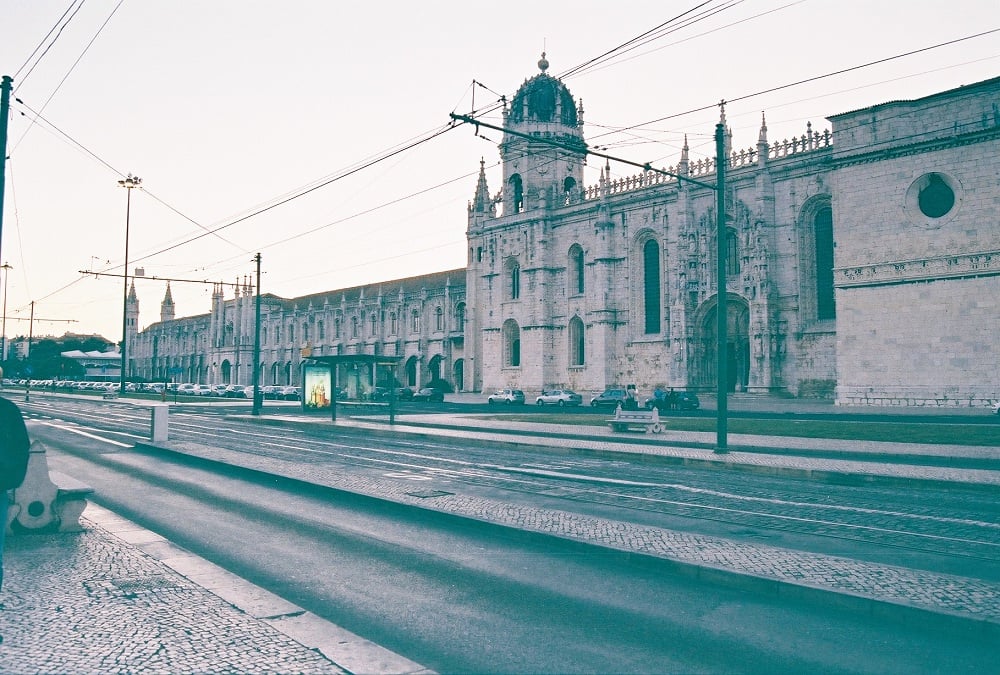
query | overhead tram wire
(47,36)
(604,64)
(301,193)
(627,46)
(75,63)
(812,79)
(51,127)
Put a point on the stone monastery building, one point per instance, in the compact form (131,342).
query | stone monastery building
(863,264)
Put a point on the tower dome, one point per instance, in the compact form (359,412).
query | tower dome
(544,152)
(543,99)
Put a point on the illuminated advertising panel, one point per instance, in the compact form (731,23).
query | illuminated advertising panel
(317,390)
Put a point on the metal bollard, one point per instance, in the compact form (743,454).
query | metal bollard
(160,425)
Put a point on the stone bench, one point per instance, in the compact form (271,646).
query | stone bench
(46,501)
(647,420)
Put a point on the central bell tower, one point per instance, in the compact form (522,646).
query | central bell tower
(536,173)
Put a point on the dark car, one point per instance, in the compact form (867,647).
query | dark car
(383,394)
(611,398)
(673,400)
(429,394)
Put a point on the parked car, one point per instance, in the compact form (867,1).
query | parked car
(506,396)
(382,394)
(429,394)
(291,393)
(235,391)
(611,398)
(673,400)
(996,408)
(202,390)
(560,397)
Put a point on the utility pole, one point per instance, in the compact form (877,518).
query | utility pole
(722,310)
(5,88)
(256,345)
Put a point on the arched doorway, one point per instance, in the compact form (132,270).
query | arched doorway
(411,371)
(434,368)
(737,352)
(458,374)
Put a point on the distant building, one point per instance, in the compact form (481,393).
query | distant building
(421,319)
(863,264)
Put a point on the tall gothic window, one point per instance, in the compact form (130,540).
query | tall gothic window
(393,323)
(732,253)
(576,342)
(460,317)
(374,324)
(823,225)
(415,321)
(576,270)
(513,279)
(439,319)
(320,330)
(354,327)
(651,286)
(511,344)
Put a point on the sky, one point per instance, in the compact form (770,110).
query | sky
(285,128)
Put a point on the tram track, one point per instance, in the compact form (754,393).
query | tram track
(963,527)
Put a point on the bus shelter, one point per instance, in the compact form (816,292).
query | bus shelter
(324,378)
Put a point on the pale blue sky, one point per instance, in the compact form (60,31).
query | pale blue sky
(225,106)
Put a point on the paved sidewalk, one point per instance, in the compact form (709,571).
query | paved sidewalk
(116,598)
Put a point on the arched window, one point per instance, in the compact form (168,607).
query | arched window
(305,332)
(460,317)
(576,270)
(732,253)
(263,335)
(291,333)
(354,327)
(320,330)
(393,323)
(374,321)
(576,342)
(823,226)
(415,321)
(439,319)
(569,186)
(516,193)
(511,344)
(336,328)
(651,286)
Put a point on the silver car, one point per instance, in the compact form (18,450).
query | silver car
(506,396)
(560,397)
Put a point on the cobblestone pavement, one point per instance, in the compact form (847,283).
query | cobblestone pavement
(119,599)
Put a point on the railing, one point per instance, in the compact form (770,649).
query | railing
(807,142)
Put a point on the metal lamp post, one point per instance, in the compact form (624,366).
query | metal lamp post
(129,184)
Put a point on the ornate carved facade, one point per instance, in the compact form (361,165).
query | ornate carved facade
(862,263)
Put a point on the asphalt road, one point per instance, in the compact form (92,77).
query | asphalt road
(463,597)
(460,596)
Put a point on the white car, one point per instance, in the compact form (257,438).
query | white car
(560,397)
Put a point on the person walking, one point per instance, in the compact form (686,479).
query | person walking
(14,447)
